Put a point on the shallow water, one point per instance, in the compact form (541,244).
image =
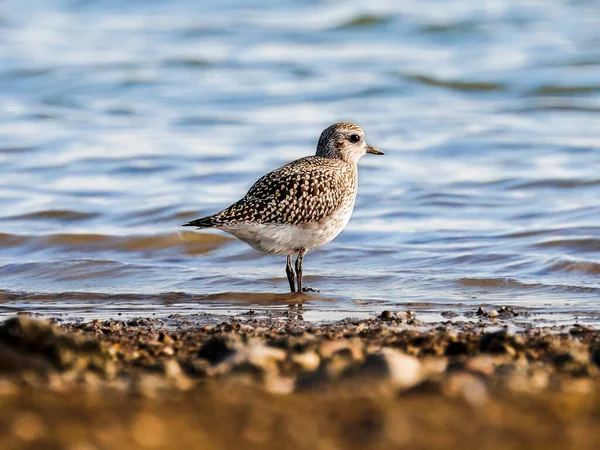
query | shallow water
(120,121)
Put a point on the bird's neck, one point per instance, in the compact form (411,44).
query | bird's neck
(352,171)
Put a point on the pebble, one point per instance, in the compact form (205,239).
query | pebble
(218,348)
(499,342)
(148,385)
(28,427)
(165,338)
(595,354)
(401,370)
(330,348)
(482,365)
(506,313)
(167,351)
(148,431)
(307,361)
(468,387)
(7,388)
(49,348)
(279,358)
(386,315)
(171,369)
(275,384)
(405,371)
(256,356)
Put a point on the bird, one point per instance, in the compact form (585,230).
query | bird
(302,205)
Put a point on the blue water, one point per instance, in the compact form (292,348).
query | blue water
(121,120)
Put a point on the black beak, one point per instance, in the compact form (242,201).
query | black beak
(374,150)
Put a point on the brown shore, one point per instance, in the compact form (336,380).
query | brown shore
(203,381)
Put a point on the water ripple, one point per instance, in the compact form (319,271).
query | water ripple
(122,120)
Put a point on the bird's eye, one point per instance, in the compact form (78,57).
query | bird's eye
(354,138)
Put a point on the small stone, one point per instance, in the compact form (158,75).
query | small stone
(386,315)
(402,370)
(7,388)
(361,327)
(307,361)
(579,330)
(171,368)
(219,348)
(434,366)
(493,314)
(507,313)
(262,355)
(148,385)
(562,359)
(456,348)
(581,386)
(275,384)
(405,370)
(482,365)
(576,361)
(595,354)
(28,427)
(148,430)
(44,342)
(92,381)
(481,311)
(539,381)
(173,371)
(404,315)
(165,338)
(340,346)
(257,357)
(498,342)
(468,387)
(167,351)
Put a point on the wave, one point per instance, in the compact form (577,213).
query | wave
(582,244)
(511,283)
(573,231)
(587,267)
(189,243)
(244,298)
(53,214)
(12,240)
(456,85)
(496,283)
(559,183)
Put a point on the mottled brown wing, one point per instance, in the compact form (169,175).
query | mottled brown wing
(304,191)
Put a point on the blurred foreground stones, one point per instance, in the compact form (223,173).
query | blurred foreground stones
(150,383)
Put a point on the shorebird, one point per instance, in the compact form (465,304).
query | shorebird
(302,205)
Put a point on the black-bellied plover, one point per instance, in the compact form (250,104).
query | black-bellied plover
(302,205)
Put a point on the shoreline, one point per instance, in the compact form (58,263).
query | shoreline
(206,381)
(426,314)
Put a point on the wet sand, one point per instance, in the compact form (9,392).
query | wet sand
(206,381)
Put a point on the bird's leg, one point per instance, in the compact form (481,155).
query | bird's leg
(299,259)
(289,269)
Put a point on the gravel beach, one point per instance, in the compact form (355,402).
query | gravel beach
(250,381)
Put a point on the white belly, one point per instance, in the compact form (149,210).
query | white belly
(284,239)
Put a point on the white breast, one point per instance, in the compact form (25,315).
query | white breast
(285,239)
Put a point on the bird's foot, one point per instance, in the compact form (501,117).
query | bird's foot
(309,289)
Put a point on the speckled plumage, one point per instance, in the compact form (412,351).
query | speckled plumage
(302,205)
(301,192)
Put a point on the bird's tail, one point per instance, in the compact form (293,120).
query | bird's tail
(203,222)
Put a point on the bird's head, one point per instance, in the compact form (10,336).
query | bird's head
(345,141)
